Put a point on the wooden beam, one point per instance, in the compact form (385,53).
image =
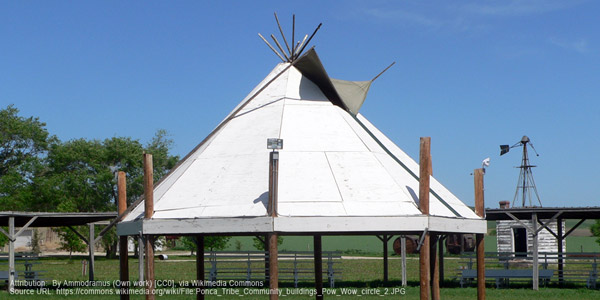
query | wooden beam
(148,212)
(403,254)
(141,253)
(148,186)
(536,262)
(11,255)
(273,268)
(273,183)
(435,269)
(123,251)
(548,229)
(545,224)
(441,259)
(77,233)
(25,227)
(92,250)
(424,257)
(574,227)
(559,239)
(385,239)
(519,221)
(480,211)
(200,267)
(318,259)
(149,247)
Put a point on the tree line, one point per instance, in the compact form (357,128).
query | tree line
(39,172)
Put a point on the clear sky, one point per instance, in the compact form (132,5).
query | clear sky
(470,74)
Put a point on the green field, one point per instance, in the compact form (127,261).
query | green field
(362,275)
(372,246)
(359,276)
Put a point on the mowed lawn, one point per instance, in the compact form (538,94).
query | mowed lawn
(360,276)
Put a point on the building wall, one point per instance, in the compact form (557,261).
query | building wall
(546,241)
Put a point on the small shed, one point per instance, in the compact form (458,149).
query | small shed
(513,236)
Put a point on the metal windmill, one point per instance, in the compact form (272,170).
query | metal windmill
(526,185)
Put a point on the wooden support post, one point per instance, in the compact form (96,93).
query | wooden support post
(441,259)
(200,267)
(123,251)
(148,212)
(92,248)
(536,262)
(11,254)
(266,248)
(480,211)
(385,257)
(318,254)
(141,252)
(273,183)
(273,268)
(560,251)
(403,254)
(272,237)
(424,174)
(435,269)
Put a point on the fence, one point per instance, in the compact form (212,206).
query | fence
(577,268)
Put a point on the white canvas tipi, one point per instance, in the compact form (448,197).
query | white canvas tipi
(337,172)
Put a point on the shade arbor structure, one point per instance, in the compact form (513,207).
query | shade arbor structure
(25,220)
(336,174)
(539,219)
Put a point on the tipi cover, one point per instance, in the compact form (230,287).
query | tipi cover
(337,171)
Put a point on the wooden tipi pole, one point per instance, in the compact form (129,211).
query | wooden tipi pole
(148,212)
(424,258)
(480,211)
(123,251)
(273,264)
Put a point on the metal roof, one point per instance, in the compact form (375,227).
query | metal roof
(524,213)
(55,219)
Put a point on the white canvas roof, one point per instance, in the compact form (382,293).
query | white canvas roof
(337,173)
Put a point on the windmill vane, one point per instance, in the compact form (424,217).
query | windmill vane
(525,185)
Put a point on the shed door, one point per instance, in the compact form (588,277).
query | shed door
(520,241)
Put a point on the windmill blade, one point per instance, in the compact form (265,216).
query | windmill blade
(504,149)
(531,144)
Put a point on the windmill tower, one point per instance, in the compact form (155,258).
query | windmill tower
(526,188)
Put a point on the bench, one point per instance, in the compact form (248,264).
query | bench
(28,260)
(500,274)
(250,266)
(4,276)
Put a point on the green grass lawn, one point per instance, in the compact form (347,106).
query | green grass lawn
(359,276)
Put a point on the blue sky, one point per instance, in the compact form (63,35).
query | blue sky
(470,74)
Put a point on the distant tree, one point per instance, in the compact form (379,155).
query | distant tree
(23,144)
(3,238)
(69,241)
(259,245)
(211,243)
(83,173)
(40,173)
(595,229)
(35,241)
